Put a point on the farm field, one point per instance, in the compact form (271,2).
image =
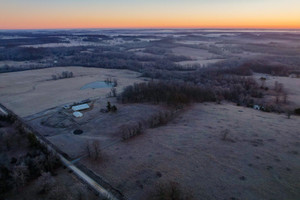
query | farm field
(249,162)
(214,111)
(291,85)
(33,91)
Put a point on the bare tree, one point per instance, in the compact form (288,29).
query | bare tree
(7,139)
(278,87)
(51,161)
(54,77)
(225,134)
(285,97)
(59,192)
(93,150)
(115,83)
(81,191)
(96,149)
(262,80)
(277,97)
(88,149)
(278,92)
(19,175)
(45,183)
(288,114)
(170,190)
(113,92)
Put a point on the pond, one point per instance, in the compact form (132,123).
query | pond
(97,84)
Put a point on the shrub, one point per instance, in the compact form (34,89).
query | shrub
(170,191)
(64,74)
(129,131)
(8,118)
(114,108)
(45,183)
(33,141)
(160,119)
(108,106)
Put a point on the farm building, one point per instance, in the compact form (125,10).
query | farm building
(80,107)
(294,75)
(66,107)
(77,114)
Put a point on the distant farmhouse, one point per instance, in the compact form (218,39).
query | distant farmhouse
(295,74)
(80,107)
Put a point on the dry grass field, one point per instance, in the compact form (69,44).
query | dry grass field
(290,85)
(216,151)
(30,92)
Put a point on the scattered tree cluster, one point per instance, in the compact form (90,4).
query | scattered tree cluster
(130,130)
(64,74)
(111,108)
(113,92)
(113,82)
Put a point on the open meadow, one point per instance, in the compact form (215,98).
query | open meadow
(214,151)
(30,92)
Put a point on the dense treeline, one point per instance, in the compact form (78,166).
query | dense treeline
(31,53)
(30,41)
(22,54)
(102,56)
(172,93)
(246,67)
(22,157)
(266,68)
(237,89)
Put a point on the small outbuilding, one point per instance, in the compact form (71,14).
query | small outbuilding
(77,114)
(80,107)
(67,107)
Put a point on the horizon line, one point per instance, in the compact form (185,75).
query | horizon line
(152,28)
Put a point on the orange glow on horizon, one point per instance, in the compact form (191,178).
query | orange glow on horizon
(69,14)
(81,24)
(64,23)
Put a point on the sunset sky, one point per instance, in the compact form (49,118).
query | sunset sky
(46,14)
